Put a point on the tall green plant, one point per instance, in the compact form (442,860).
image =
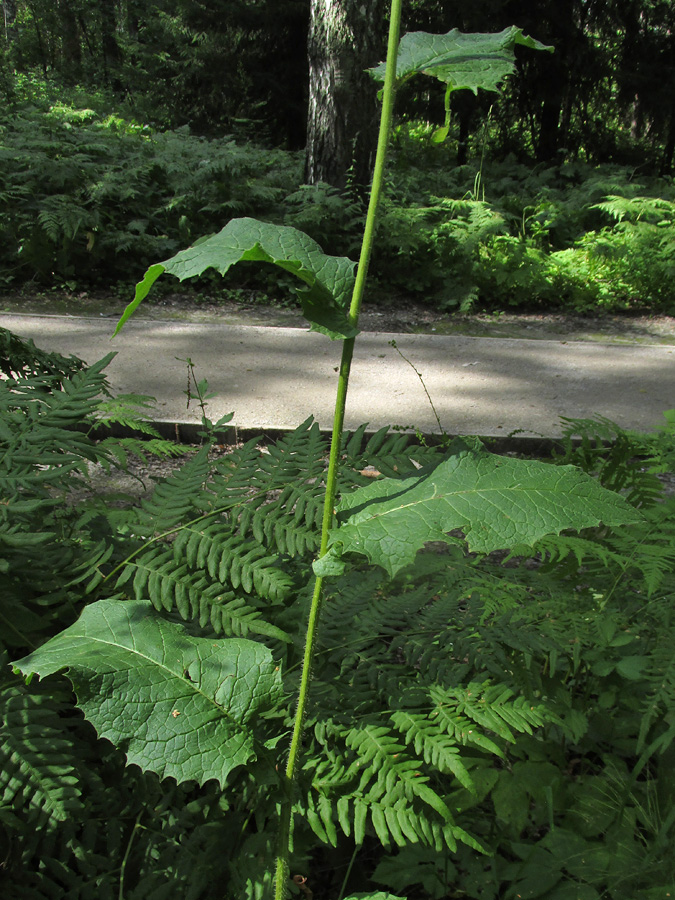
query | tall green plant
(196,707)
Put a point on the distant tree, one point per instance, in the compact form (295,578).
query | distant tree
(112,53)
(645,73)
(70,37)
(234,66)
(345,38)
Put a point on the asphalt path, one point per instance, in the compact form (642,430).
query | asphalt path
(273,378)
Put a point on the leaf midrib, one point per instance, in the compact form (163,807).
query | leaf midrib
(455,493)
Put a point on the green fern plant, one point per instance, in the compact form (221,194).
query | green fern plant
(436,678)
(73,821)
(78,188)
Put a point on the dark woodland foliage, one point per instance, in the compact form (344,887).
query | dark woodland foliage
(206,66)
(128,130)
(82,190)
(493,727)
(606,91)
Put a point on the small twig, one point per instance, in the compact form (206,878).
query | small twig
(127,852)
(419,375)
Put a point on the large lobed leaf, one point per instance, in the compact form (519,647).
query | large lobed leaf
(328,280)
(184,707)
(460,60)
(498,502)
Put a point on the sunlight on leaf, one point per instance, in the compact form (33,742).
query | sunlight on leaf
(327,281)
(459,60)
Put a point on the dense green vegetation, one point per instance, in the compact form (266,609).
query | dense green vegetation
(548,677)
(341,668)
(605,96)
(127,131)
(82,190)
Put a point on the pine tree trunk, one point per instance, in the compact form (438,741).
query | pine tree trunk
(70,36)
(344,40)
(112,55)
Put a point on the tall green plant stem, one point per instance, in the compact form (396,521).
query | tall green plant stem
(290,775)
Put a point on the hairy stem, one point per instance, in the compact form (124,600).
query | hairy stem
(290,775)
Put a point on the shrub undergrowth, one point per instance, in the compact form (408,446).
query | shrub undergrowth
(82,189)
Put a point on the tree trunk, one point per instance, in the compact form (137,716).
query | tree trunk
(38,33)
(549,126)
(8,14)
(344,40)
(72,51)
(112,55)
(669,148)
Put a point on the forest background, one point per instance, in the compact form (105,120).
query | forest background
(130,129)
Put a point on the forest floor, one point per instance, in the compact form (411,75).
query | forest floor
(401,315)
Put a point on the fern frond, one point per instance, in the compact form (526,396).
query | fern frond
(132,411)
(615,456)
(118,450)
(384,769)
(648,547)
(179,497)
(295,468)
(289,522)
(633,209)
(387,453)
(170,584)
(228,557)
(492,707)
(377,783)
(659,704)
(437,747)
(19,357)
(38,771)
(559,548)
(236,476)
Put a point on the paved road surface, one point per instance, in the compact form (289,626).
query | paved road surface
(274,378)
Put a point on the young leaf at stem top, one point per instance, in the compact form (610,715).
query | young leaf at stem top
(461,61)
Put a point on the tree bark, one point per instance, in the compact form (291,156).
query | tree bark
(112,55)
(72,50)
(344,40)
(669,148)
